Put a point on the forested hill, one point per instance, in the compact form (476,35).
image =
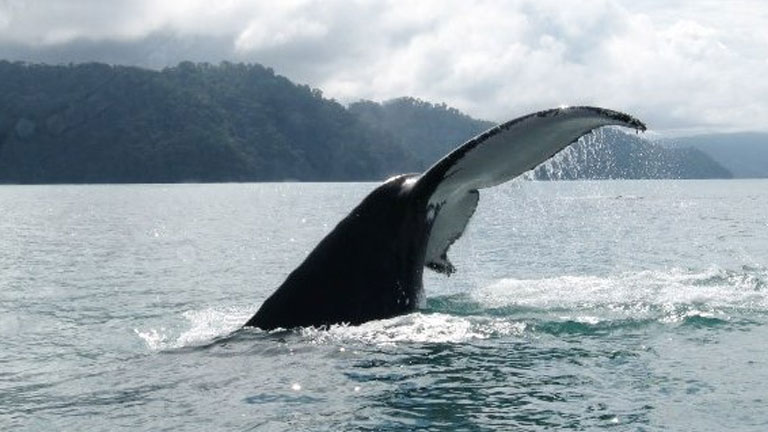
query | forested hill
(193,122)
(95,123)
(426,131)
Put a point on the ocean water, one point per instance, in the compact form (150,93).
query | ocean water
(625,305)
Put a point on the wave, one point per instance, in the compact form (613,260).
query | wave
(514,308)
(203,326)
(635,292)
(418,328)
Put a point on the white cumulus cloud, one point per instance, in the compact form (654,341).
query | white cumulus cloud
(690,66)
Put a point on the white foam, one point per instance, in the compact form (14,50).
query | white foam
(210,323)
(675,316)
(669,295)
(203,326)
(155,339)
(583,319)
(634,292)
(418,328)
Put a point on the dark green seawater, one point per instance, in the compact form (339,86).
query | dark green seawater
(621,305)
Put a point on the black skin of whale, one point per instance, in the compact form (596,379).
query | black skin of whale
(391,217)
(370,266)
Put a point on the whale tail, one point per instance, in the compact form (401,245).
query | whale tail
(370,266)
(497,156)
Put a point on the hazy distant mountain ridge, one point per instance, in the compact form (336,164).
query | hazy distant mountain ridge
(745,154)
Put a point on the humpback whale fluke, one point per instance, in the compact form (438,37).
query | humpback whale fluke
(370,266)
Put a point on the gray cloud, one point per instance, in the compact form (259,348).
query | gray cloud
(685,67)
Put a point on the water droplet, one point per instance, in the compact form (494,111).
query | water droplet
(296,387)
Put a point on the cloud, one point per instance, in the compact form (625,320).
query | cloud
(678,66)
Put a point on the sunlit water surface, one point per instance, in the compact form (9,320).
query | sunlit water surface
(576,305)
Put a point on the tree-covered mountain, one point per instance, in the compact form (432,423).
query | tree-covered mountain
(95,123)
(192,122)
(426,131)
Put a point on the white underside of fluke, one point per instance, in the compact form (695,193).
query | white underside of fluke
(495,157)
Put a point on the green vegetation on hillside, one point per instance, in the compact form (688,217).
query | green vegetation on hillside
(95,123)
(427,131)
(192,122)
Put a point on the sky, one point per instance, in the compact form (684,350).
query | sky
(684,67)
